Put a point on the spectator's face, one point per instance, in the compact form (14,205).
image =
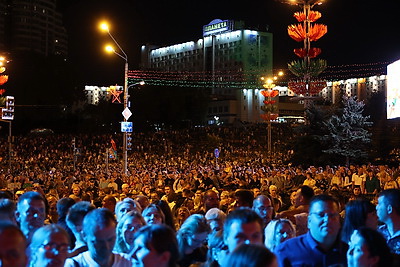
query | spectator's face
(238,233)
(101,241)
(264,209)
(31,214)
(12,249)
(211,200)
(152,216)
(130,227)
(215,225)
(167,190)
(123,209)
(283,232)
(358,254)
(196,240)
(381,209)
(324,221)
(76,191)
(357,191)
(53,251)
(147,256)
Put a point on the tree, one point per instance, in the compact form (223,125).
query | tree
(348,135)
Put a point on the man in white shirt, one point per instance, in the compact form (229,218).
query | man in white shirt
(99,232)
(358,178)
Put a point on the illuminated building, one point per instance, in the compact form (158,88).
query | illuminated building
(226,47)
(32,26)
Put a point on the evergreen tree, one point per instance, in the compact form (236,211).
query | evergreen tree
(348,135)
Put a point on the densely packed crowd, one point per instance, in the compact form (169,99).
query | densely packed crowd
(180,205)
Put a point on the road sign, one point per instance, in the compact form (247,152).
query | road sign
(126,113)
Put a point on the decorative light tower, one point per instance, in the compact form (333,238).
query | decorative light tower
(308,68)
(270,107)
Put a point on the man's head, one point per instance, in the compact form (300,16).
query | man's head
(303,195)
(215,219)
(388,208)
(211,200)
(12,246)
(262,205)
(63,206)
(109,202)
(99,233)
(125,206)
(244,198)
(324,219)
(31,212)
(76,214)
(7,210)
(242,225)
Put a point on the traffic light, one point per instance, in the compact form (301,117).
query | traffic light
(128,141)
(8,112)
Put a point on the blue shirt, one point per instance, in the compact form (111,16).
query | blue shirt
(304,251)
(392,241)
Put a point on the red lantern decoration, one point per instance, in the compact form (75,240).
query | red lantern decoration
(3,79)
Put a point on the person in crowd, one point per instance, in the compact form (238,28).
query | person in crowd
(166,210)
(63,206)
(12,246)
(74,222)
(182,213)
(109,202)
(243,198)
(217,250)
(210,200)
(153,214)
(52,216)
(215,219)
(262,205)
(143,201)
(243,225)
(358,178)
(309,181)
(278,231)
(49,246)
(191,240)
(30,213)
(127,226)
(251,255)
(321,245)
(372,183)
(124,206)
(155,245)
(367,247)
(388,211)
(99,230)
(7,210)
(358,213)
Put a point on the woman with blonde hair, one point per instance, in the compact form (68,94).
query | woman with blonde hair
(191,240)
(127,226)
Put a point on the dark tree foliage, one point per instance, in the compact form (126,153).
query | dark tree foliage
(307,146)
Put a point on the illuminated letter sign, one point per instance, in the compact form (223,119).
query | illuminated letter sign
(216,26)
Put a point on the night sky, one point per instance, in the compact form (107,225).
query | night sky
(358,31)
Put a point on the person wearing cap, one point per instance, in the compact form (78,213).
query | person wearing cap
(215,219)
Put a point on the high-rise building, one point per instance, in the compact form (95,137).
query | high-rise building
(32,25)
(230,57)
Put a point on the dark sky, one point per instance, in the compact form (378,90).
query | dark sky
(359,31)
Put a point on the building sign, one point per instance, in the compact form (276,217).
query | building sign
(217,26)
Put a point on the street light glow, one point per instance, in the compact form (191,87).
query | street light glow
(104,26)
(109,49)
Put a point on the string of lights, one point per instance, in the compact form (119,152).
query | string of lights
(248,79)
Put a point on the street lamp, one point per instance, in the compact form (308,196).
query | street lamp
(104,27)
(270,106)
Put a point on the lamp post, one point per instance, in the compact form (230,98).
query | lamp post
(122,54)
(270,108)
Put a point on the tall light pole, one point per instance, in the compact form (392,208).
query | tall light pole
(104,27)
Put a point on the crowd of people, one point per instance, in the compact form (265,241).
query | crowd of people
(179,205)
